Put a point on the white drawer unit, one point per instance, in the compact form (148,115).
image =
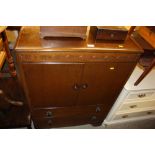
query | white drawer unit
(135,114)
(135,105)
(140,95)
(134,102)
(129,100)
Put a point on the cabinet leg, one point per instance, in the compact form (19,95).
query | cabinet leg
(29,127)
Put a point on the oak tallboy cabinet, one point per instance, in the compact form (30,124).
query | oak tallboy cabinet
(70,81)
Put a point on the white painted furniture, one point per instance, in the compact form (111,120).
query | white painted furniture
(134,102)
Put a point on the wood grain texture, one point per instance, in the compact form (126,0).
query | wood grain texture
(63,31)
(76,57)
(66,80)
(52,84)
(104,82)
(29,40)
(111,33)
(51,112)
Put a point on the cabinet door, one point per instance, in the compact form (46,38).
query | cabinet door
(102,82)
(52,84)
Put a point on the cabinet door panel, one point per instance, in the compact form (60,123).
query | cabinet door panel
(52,84)
(103,82)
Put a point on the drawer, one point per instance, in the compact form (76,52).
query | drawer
(147,34)
(68,111)
(124,116)
(111,35)
(140,95)
(135,105)
(67,121)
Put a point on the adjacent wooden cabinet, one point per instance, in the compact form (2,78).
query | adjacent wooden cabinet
(67,82)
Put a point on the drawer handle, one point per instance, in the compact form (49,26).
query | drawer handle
(149,112)
(76,87)
(141,95)
(133,106)
(124,116)
(93,118)
(84,86)
(98,109)
(48,113)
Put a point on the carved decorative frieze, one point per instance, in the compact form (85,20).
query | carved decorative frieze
(76,57)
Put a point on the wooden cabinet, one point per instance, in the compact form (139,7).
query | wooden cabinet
(66,82)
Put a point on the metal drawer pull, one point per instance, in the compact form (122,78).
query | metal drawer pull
(98,109)
(124,116)
(93,118)
(48,113)
(133,106)
(141,95)
(149,112)
(84,86)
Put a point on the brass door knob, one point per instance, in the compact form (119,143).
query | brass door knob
(84,86)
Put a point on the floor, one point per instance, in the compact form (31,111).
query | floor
(141,124)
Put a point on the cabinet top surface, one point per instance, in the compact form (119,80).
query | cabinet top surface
(29,40)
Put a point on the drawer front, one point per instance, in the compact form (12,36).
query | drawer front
(124,116)
(140,95)
(136,105)
(68,111)
(76,57)
(67,121)
(111,35)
